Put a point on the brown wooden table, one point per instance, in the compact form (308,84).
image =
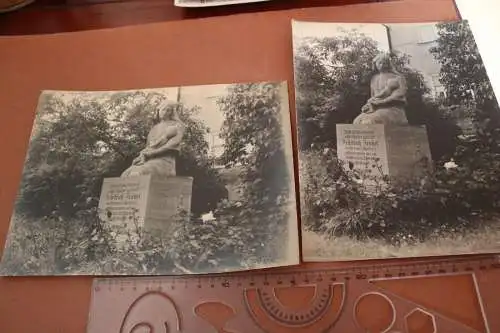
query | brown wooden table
(50,16)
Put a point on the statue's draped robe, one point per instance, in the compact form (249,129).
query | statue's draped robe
(391,112)
(164,165)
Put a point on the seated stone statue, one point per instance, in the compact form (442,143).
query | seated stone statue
(162,145)
(388,95)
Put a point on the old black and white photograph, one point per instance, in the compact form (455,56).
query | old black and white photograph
(179,180)
(399,141)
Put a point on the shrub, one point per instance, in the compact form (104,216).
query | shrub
(452,197)
(237,238)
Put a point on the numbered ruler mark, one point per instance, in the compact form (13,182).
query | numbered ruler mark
(312,274)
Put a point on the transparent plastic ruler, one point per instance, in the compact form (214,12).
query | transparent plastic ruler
(416,296)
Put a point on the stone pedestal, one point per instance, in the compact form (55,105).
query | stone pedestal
(147,201)
(395,151)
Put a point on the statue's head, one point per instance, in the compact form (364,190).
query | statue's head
(382,62)
(167,110)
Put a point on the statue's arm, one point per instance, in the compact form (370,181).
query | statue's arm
(173,143)
(372,86)
(396,94)
(373,93)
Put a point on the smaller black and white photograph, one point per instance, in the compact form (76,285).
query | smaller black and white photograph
(398,139)
(179,180)
(212,3)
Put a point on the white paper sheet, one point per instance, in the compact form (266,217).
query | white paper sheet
(211,3)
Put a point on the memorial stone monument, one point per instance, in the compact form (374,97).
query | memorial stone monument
(149,193)
(380,142)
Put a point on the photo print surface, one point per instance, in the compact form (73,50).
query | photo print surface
(178,180)
(399,141)
(212,3)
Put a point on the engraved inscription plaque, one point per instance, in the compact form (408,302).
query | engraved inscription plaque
(147,201)
(123,200)
(364,146)
(377,150)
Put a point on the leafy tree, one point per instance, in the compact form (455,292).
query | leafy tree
(333,82)
(253,140)
(462,73)
(193,160)
(252,132)
(79,139)
(464,77)
(469,92)
(332,76)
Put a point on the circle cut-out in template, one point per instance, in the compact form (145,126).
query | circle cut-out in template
(374,313)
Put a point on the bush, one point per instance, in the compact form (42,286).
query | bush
(215,245)
(87,245)
(453,197)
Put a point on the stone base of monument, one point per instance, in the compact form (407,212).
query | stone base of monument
(382,150)
(145,201)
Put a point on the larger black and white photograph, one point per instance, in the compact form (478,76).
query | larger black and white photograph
(178,180)
(399,141)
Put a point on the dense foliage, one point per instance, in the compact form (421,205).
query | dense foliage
(443,200)
(253,136)
(86,245)
(462,73)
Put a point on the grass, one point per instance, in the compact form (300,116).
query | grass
(316,247)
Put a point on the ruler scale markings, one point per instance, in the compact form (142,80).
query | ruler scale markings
(414,268)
